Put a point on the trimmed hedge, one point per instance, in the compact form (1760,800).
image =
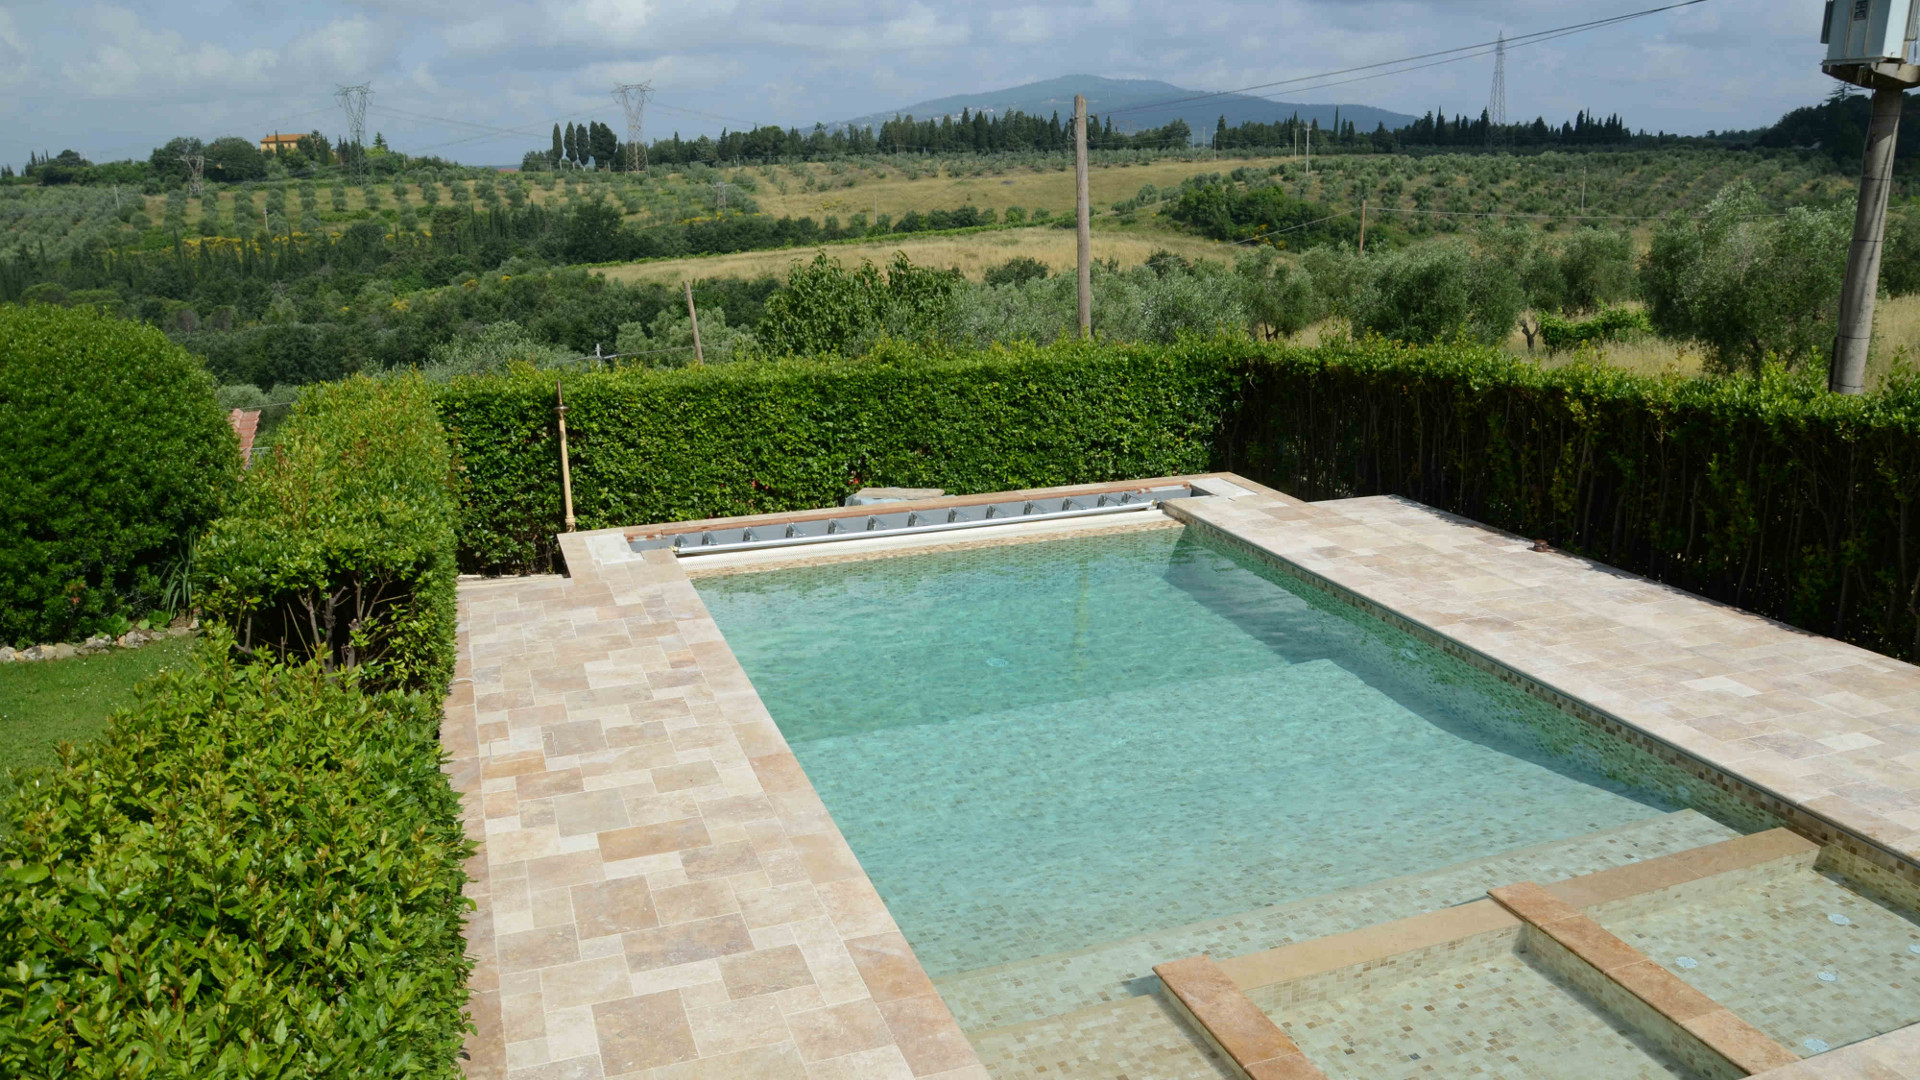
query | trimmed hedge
(256,872)
(743,439)
(116,455)
(340,543)
(1766,493)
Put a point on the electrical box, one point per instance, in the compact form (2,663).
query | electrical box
(1870,31)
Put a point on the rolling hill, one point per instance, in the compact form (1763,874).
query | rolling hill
(1105,95)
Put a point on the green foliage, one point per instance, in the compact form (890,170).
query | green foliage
(1279,299)
(1611,324)
(116,454)
(492,348)
(826,308)
(1158,302)
(1015,271)
(1259,211)
(256,872)
(1437,293)
(1749,284)
(737,439)
(340,543)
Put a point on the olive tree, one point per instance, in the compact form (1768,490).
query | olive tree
(1440,292)
(1747,283)
(1280,299)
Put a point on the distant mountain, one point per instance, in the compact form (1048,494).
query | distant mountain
(1106,95)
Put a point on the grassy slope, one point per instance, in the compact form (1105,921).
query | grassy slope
(47,702)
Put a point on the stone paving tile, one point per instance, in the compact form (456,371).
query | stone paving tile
(1815,721)
(660,893)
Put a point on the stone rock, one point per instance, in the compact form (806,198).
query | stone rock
(869,495)
(178,631)
(62,651)
(132,639)
(7,655)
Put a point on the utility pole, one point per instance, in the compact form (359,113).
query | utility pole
(694,318)
(1363,226)
(1870,43)
(1497,99)
(1085,216)
(1309,151)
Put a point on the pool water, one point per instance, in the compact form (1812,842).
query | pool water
(1035,748)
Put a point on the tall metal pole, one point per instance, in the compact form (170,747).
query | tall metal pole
(1849,372)
(1085,212)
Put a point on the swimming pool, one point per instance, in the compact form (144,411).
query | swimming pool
(1035,748)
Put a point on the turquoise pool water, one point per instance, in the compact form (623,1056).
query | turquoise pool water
(1040,747)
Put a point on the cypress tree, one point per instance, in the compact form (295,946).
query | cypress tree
(559,148)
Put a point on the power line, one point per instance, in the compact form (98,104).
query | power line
(1475,49)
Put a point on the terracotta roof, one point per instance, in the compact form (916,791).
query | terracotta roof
(246,422)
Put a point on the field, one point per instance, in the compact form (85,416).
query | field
(971,254)
(1426,193)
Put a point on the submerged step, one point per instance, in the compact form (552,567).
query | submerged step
(1050,985)
(1142,1038)
(1811,957)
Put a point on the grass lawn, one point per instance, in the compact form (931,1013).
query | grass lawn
(46,702)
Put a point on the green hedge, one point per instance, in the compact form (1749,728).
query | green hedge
(115,453)
(1766,493)
(256,872)
(340,543)
(1769,493)
(742,439)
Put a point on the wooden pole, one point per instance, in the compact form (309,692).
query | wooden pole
(694,318)
(566,472)
(1085,214)
(1363,226)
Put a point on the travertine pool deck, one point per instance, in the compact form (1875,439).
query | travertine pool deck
(661,894)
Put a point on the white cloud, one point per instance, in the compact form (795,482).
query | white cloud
(127,57)
(123,72)
(14,68)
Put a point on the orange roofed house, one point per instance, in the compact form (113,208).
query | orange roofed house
(273,144)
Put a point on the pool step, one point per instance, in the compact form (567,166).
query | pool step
(1032,990)
(1141,1038)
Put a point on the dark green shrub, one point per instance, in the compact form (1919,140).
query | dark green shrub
(116,455)
(256,872)
(740,439)
(340,543)
(1613,324)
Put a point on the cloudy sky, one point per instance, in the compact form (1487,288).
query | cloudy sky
(113,80)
